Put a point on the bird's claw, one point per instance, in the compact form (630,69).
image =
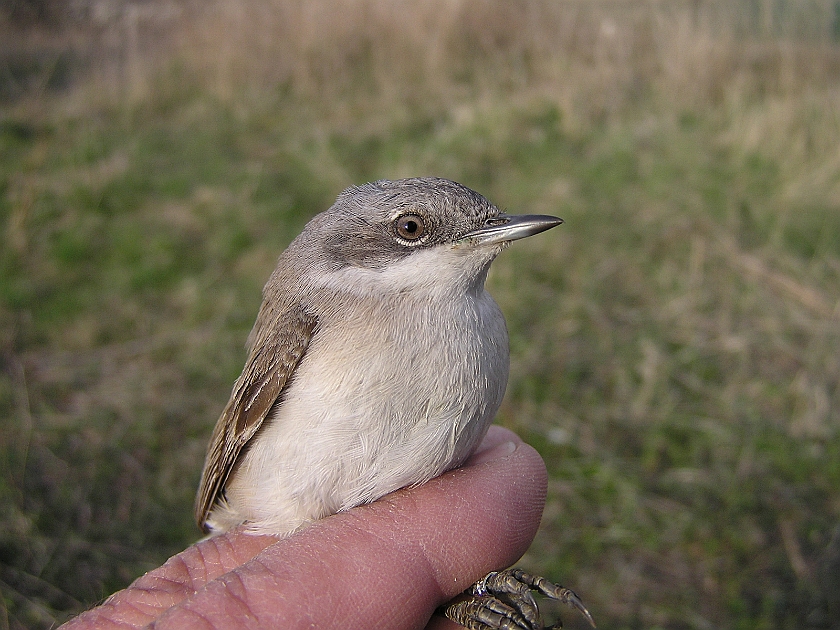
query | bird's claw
(503,601)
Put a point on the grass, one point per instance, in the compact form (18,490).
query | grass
(675,345)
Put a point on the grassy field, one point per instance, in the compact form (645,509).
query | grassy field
(675,345)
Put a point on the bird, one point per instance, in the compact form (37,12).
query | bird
(377,361)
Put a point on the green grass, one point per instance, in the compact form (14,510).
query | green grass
(675,345)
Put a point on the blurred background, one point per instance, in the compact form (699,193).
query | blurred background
(675,345)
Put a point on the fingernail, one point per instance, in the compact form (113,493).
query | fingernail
(497,452)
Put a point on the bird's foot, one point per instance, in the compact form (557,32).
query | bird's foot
(503,601)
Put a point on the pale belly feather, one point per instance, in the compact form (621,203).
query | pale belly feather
(359,429)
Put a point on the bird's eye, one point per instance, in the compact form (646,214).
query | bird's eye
(410,227)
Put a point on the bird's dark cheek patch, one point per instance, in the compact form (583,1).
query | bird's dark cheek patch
(368,254)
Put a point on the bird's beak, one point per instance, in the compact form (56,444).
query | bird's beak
(504,228)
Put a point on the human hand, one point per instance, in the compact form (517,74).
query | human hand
(388,564)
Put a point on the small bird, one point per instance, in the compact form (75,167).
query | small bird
(377,361)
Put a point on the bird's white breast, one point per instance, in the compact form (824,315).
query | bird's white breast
(391,392)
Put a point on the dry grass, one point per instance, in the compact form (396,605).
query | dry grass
(593,58)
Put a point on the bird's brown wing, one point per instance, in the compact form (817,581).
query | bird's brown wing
(269,368)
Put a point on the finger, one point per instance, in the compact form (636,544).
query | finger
(180,577)
(499,506)
(391,563)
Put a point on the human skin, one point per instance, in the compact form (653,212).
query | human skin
(389,564)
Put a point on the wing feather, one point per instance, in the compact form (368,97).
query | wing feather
(270,365)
